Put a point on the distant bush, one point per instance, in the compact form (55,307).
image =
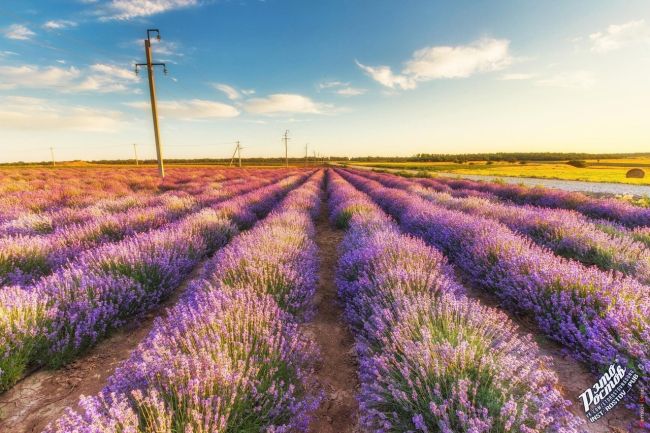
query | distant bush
(523,162)
(578,163)
(489,163)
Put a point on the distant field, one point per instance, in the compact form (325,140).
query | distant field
(612,170)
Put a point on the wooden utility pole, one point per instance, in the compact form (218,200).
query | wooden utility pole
(239,152)
(152,93)
(306,158)
(286,147)
(52,153)
(135,153)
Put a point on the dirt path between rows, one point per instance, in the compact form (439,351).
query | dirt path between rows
(43,396)
(574,376)
(337,373)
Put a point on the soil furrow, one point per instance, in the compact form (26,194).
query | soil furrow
(337,373)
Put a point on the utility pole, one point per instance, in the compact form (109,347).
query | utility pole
(52,153)
(152,93)
(306,159)
(135,152)
(286,147)
(237,151)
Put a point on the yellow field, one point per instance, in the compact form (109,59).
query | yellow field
(604,170)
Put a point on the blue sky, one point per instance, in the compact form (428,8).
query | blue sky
(365,77)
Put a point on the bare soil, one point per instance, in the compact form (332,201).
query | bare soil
(337,373)
(574,376)
(43,396)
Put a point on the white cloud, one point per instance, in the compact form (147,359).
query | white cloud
(285,103)
(619,36)
(569,80)
(248,92)
(58,24)
(102,78)
(191,109)
(36,77)
(350,91)
(461,61)
(341,88)
(229,91)
(484,55)
(129,9)
(385,76)
(332,84)
(18,32)
(25,113)
(517,76)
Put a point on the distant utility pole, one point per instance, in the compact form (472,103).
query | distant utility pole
(52,153)
(237,151)
(286,147)
(135,152)
(306,158)
(152,93)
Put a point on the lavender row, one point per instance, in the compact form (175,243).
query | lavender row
(23,259)
(61,316)
(230,356)
(609,209)
(601,318)
(30,223)
(567,233)
(431,359)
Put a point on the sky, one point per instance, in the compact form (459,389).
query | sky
(345,77)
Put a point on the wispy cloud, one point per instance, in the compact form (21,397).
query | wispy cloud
(130,9)
(517,77)
(385,76)
(350,91)
(191,109)
(101,78)
(619,36)
(569,80)
(232,93)
(285,103)
(18,32)
(25,113)
(31,76)
(58,24)
(341,88)
(437,62)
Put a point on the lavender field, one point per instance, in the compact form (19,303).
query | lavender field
(314,299)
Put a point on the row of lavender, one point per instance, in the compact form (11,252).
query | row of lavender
(238,327)
(430,359)
(599,317)
(620,223)
(23,259)
(610,209)
(568,233)
(56,319)
(39,190)
(57,216)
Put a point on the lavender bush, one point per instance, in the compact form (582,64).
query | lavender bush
(430,359)
(256,366)
(600,317)
(79,304)
(568,233)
